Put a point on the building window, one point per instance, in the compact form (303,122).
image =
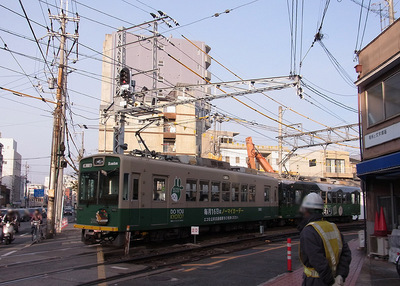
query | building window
(169,127)
(391,93)
(335,166)
(237,160)
(226,140)
(160,63)
(160,79)
(227,159)
(383,101)
(169,145)
(170,109)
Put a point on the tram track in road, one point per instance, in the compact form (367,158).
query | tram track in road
(156,259)
(200,252)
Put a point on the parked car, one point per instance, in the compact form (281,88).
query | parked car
(68,210)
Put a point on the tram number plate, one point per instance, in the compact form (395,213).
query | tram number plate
(195,230)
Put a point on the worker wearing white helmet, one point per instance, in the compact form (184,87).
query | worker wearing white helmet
(324,254)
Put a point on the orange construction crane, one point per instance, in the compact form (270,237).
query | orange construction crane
(253,154)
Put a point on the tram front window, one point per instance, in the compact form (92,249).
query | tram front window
(99,187)
(109,187)
(88,188)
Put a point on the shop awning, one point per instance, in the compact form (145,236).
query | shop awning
(389,163)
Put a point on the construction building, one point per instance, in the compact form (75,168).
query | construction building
(175,129)
(314,164)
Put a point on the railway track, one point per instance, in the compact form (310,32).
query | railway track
(181,256)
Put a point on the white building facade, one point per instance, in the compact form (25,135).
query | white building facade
(11,170)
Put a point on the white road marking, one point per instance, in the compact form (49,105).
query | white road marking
(120,268)
(23,234)
(9,253)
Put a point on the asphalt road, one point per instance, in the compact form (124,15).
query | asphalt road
(65,260)
(248,267)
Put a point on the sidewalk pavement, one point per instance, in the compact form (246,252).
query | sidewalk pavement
(296,277)
(378,272)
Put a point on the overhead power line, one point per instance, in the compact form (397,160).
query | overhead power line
(27,95)
(276,101)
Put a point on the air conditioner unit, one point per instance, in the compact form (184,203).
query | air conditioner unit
(378,245)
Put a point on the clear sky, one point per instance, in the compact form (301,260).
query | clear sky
(252,40)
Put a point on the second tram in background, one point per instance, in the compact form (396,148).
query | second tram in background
(161,198)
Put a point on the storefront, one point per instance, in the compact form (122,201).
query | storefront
(379,105)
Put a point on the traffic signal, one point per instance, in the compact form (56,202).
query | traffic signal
(125,77)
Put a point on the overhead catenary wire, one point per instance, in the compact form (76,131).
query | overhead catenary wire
(318,36)
(276,101)
(330,99)
(250,107)
(24,72)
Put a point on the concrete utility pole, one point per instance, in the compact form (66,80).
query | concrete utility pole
(55,195)
(280,141)
(391,11)
(155,63)
(26,194)
(55,148)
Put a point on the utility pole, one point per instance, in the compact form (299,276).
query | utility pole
(26,194)
(155,63)
(391,11)
(55,148)
(280,141)
(55,195)
(119,118)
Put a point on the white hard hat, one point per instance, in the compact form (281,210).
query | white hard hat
(313,201)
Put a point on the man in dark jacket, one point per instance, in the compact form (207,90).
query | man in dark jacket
(324,253)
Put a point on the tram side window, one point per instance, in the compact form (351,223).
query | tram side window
(243,193)
(267,193)
(235,192)
(215,191)
(334,198)
(329,197)
(135,187)
(191,190)
(252,193)
(159,189)
(297,198)
(204,190)
(355,198)
(125,190)
(339,197)
(347,198)
(225,191)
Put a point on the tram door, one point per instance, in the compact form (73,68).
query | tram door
(159,210)
(134,203)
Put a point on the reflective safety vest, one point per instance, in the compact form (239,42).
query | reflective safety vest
(332,243)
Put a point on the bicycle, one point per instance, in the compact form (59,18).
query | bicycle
(36,231)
